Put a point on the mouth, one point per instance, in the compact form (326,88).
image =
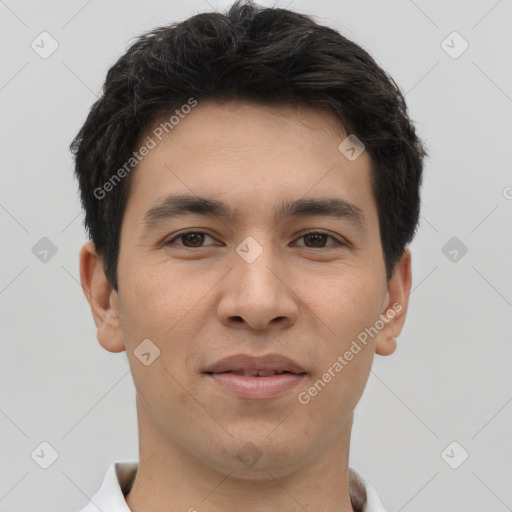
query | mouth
(253,366)
(250,377)
(254,373)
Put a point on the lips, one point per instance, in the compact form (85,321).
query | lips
(256,378)
(251,366)
(256,373)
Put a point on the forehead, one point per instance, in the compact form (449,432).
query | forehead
(251,156)
(247,126)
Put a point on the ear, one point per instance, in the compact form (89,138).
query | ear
(102,298)
(395,307)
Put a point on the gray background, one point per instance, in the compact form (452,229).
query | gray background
(450,377)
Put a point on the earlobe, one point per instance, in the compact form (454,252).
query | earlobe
(395,309)
(102,299)
(385,345)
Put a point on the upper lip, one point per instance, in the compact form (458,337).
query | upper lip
(251,365)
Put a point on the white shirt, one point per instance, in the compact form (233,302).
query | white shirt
(120,475)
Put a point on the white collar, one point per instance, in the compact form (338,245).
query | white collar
(119,475)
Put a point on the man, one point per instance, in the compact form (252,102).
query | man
(250,183)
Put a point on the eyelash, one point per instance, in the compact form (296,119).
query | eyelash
(183,233)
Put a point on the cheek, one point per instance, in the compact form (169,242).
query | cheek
(345,363)
(157,299)
(344,310)
(166,309)
(347,303)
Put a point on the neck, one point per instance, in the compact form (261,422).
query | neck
(171,478)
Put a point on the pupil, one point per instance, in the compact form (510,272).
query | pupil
(198,238)
(316,237)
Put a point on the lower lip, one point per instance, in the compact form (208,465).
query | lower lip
(256,387)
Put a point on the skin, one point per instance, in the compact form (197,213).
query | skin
(304,300)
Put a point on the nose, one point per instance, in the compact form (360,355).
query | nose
(258,293)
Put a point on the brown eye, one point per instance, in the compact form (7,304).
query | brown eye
(190,239)
(317,240)
(194,239)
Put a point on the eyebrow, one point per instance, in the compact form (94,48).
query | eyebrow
(183,204)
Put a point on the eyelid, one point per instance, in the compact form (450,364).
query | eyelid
(338,240)
(186,232)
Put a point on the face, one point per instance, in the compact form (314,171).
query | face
(205,281)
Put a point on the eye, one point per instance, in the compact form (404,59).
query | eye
(195,239)
(318,239)
(190,239)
